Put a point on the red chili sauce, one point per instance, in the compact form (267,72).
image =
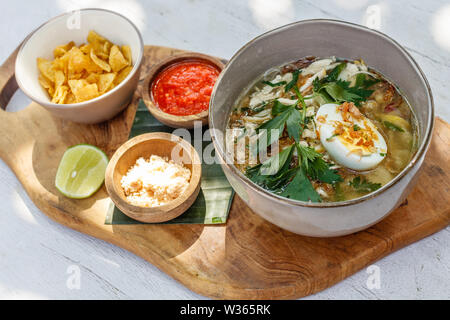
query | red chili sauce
(185,88)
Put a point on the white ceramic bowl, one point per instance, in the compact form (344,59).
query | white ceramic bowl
(63,29)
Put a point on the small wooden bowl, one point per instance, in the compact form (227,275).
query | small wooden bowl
(169,119)
(145,145)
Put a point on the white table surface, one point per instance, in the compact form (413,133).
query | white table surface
(36,253)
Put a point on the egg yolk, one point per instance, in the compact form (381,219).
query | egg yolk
(357,139)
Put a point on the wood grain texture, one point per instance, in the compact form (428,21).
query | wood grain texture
(246,258)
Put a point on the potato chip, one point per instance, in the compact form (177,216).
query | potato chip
(87,93)
(116,59)
(86,48)
(60,94)
(82,73)
(77,84)
(100,44)
(102,64)
(122,75)
(58,52)
(60,64)
(77,76)
(126,50)
(107,47)
(70,98)
(92,77)
(47,85)
(82,90)
(105,81)
(102,55)
(46,69)
(78,61)
(60,78)
(95,37)
(62,49)
(98,50)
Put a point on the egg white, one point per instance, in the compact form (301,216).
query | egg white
(327,118)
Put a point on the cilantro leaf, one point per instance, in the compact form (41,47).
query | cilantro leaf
(302,102)
(293,82)
(320,170)
(331,89)
(334,74)
(277,84)
(338,92)
(317,85)
(273,165)
(356,94)
(272,129)
(370,82)
(307,155)
(360,78)
(318,92)
(300,188)
(253,174)
(316,167)
(278,107)
(280,180)
(259,109)
(274,173)
(341,92)
(293,124)
(363,82)
(285,116)
(362,185)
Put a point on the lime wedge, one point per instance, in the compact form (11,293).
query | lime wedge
(81,171)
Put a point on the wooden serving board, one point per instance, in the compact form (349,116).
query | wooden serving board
(248,258)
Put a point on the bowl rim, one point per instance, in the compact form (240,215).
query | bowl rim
(48,103)
(157,68)
(169,210)
(415,159)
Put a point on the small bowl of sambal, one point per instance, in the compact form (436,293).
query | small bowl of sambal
(178,89)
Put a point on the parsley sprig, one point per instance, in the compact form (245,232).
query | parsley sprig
(284,176)
(285,116)
(292,117)
(293,82)
(362,185)
(331,89)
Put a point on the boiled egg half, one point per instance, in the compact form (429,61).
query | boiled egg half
(350,138)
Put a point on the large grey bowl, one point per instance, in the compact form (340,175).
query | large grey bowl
(322,38)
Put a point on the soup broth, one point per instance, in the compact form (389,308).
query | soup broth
(341,130)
